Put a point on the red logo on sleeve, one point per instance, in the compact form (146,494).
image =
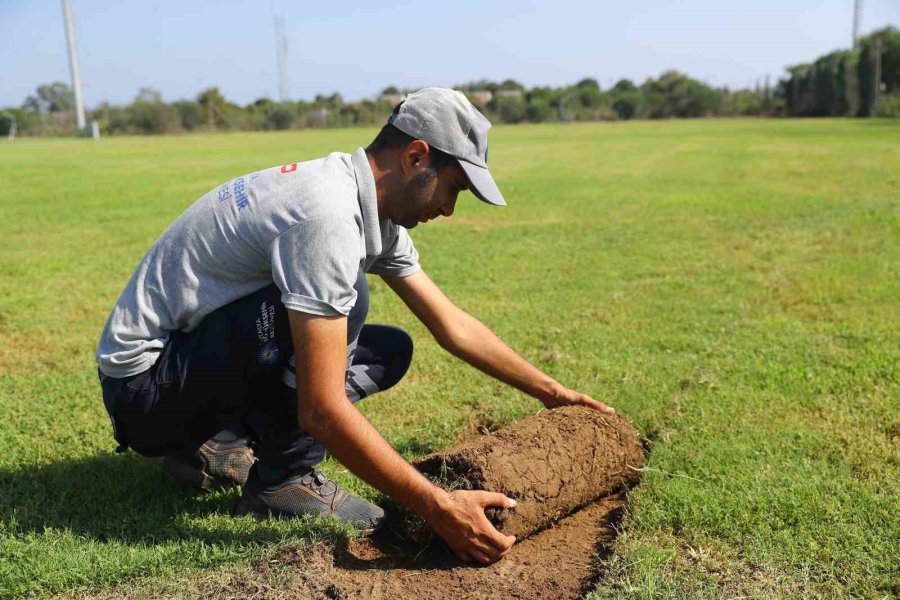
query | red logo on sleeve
(289,168)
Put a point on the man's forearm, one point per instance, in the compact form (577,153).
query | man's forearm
(323,410)
(473,342)
(349,436)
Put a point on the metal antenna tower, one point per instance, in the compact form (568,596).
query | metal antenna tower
(73,67)
(281,55)
(857,20)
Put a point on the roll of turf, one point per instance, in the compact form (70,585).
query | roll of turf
(552,463)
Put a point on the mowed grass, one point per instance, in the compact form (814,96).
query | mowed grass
(732,286)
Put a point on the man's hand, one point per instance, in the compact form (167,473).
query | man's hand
(567,397)
(460,520)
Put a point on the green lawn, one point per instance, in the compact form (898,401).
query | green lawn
(732,286)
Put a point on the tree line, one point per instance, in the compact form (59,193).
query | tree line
(671,95)
(841,83)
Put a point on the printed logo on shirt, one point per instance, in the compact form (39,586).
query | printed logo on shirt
(240,194)
(239,188)
(289,168)
(268,354)
(265,330)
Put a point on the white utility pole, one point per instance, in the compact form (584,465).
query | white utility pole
(281,57)
(878,51)
(857,20)
(73,67)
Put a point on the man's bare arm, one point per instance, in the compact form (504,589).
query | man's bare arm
(323,410)
(466,337)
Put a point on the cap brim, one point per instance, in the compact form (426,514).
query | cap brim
(483,185)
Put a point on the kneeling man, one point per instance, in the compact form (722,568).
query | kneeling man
(239,346)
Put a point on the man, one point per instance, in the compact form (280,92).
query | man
(245,320)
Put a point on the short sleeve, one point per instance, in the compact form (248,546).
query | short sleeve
(315,265)
(399,257)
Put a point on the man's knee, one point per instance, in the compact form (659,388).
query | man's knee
(394,349)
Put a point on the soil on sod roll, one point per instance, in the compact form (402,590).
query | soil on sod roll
(551,463)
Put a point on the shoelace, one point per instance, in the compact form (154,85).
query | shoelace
(317,480)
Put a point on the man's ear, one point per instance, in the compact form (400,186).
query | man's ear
(415,157)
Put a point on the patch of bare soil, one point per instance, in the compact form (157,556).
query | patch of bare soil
(560,562)
(554,463)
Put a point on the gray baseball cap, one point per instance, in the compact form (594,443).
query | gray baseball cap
(447,120)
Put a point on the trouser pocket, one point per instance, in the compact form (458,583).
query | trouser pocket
(112,389)
(146,415)
(155,423)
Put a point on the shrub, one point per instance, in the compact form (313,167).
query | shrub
(152,117)
(888,106)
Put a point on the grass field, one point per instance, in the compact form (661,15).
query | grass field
(732,286)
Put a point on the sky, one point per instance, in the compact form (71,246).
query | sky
(357,48)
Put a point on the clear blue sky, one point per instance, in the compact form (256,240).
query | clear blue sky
(357,48)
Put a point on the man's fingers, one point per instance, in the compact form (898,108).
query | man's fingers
(607,409)
(495,499)
(500,542)
(481,542)
(479,556)
(590,402)
(462,555)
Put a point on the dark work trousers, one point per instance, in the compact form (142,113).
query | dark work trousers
(237,367)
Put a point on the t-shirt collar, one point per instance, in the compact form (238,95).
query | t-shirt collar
(368,202)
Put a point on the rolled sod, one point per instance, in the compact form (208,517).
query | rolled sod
(552,464)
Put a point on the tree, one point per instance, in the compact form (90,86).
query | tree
(742,103)
(588,83)
(589,95)
(478,86)
(148,94)
(511,84)
(190,114)
(842,82)
(152,117)
(626,104)
(677,95)
(626,99)
(54,97)
(334,99)
(279,116)
(797,90)
(623,86)
(890,66)
(212,103)
(538,109)
(511,109)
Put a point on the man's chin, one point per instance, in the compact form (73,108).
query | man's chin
(408,223)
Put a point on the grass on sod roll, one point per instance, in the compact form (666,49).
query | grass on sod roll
(732,286)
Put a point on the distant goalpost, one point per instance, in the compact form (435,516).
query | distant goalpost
(13,125)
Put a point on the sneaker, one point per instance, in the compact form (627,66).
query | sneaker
(311,493)
(216,465)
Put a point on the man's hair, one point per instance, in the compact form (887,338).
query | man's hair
(390,137)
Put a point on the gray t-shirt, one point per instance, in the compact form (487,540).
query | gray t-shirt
(308,227)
